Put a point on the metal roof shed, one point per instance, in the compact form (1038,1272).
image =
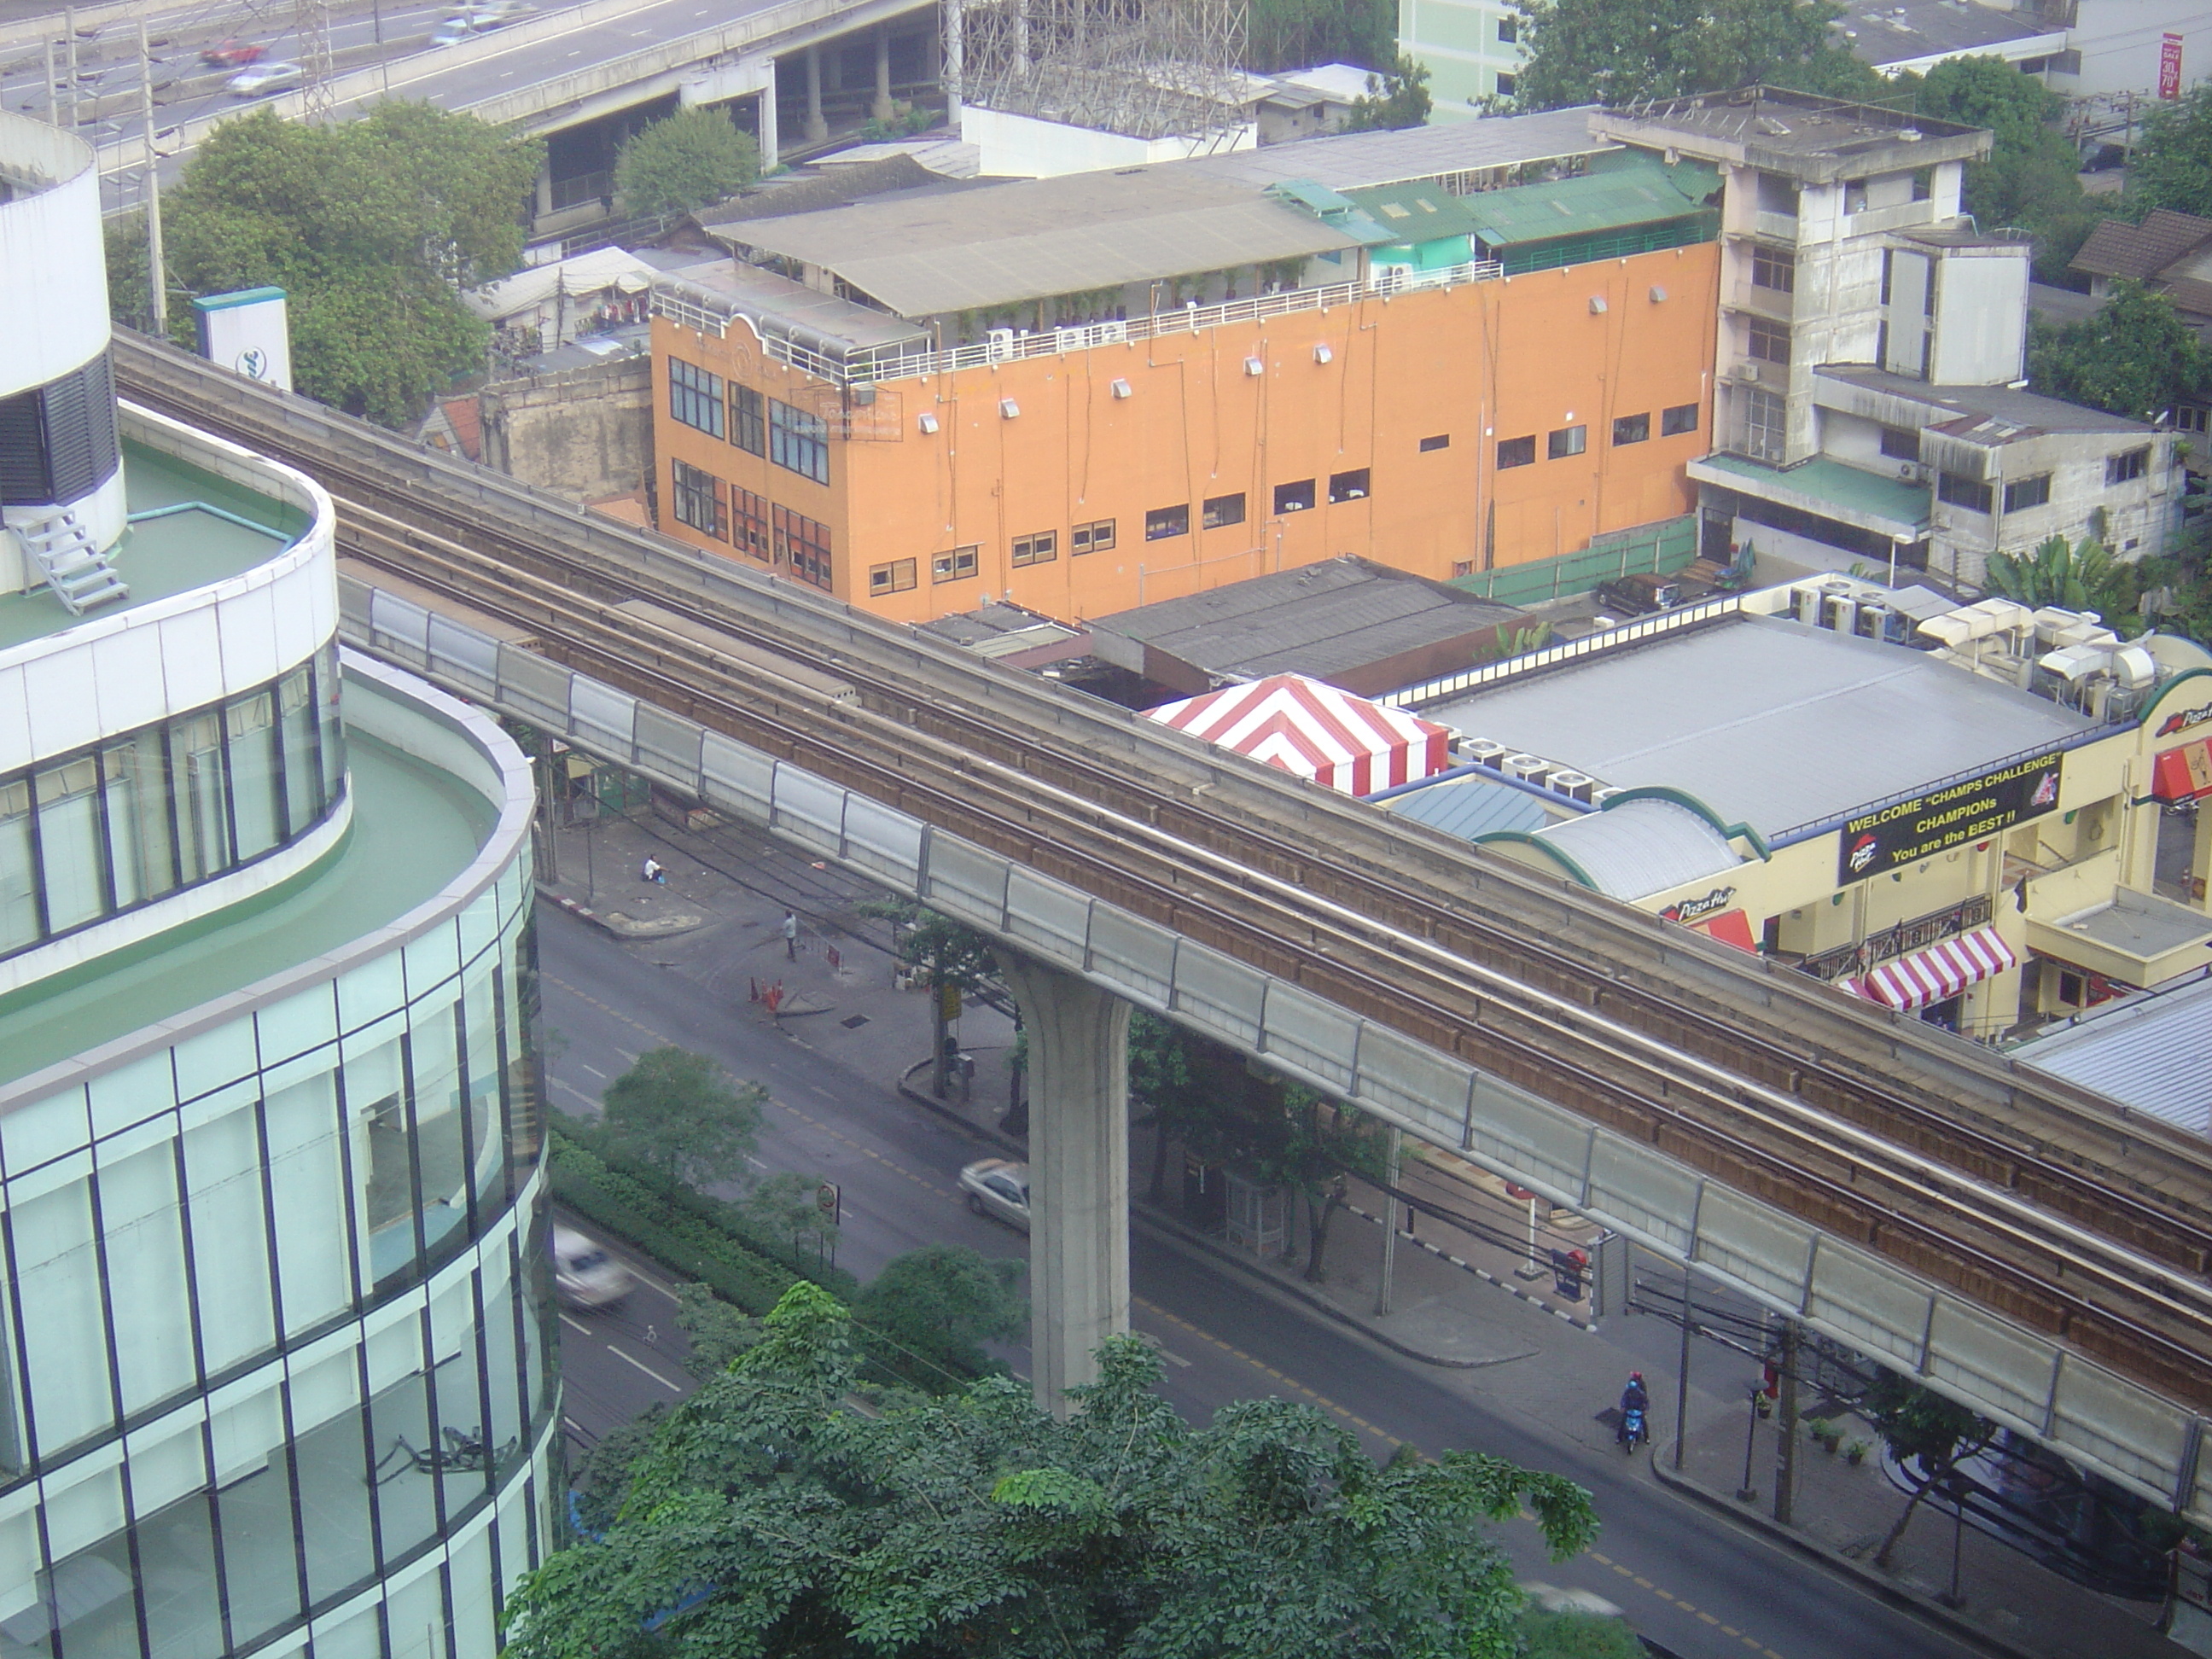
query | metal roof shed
(1634,209)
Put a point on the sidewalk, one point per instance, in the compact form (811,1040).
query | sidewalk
(1512,1342)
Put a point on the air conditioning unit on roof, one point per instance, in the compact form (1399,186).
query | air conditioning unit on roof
(1485,751)
(1528,768)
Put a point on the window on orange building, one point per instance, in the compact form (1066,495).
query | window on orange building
(1462,566)
(1042,548)
(799,441)
(1163,522)
(748,423)
(699,500)
(749,523)
(1294,497)
(896,577)
(1567,440)
(1516,451)
(695,397)
(1442,440)
(1093,537)
(1682,417)
(1348,486)
(802,546)
(952,566)
(1222,511)
(1632,429)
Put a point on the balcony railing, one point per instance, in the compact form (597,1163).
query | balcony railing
(1900,940)
(693,309)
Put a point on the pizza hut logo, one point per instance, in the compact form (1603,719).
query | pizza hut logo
(2046,791)
(1693,910)
(2182,719)
(1862,852)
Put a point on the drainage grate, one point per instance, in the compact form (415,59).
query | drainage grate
(854,1022)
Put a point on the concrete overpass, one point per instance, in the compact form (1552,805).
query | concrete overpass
(565,68)
(2024,1249)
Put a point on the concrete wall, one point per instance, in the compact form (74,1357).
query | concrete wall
(1023,147)
(584,435)
(1475,364)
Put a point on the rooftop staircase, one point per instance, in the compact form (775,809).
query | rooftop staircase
(80,573)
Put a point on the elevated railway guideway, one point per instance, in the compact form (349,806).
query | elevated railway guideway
(2030,1251)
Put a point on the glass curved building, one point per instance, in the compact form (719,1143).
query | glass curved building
(275,1367)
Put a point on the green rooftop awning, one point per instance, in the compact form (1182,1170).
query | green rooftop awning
(1648,193)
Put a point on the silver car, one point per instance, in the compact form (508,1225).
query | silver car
(259,80)
(584,1275)
(997,1187)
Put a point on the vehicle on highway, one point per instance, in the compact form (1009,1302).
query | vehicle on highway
(584,1275)
(998,1187)
(464,22)
(234,54)
(261,79)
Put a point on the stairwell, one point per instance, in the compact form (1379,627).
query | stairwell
(79,573)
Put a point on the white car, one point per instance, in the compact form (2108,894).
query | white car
(998,1187)
(259,80)
(464,22)
(584,1275)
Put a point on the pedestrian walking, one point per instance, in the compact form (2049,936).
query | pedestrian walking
(790,935)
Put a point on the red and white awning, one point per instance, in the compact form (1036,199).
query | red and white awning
(1938,973)
(1314,730)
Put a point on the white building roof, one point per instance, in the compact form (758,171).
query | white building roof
(2151,1053)
(1640,847)
(585,275)
(1769,723)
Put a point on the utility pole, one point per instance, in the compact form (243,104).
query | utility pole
(1390,1222)
(69,22)
(1785,1453)
(955,56)
(157,274)
(54,88)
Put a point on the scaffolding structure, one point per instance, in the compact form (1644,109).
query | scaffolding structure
(311,20)
(1144,69)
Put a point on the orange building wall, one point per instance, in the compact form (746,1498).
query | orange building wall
(1517,356)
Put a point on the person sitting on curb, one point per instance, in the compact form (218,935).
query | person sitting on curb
(654,871)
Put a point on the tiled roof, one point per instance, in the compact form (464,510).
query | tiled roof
(2117,248)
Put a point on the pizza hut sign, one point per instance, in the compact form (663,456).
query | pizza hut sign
(2183,720)
(1907,831)
(1697,909)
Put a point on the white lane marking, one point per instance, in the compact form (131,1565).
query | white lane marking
(578,1325)
(593,1070)
(755,1162)
(1173,1357)
(672,1387)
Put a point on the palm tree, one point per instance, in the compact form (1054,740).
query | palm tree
(2080,577)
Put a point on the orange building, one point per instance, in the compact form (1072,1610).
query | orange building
(1442,421)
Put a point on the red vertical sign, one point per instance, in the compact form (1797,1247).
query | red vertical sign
(2169,67)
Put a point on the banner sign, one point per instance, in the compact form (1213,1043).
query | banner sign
(248,333)
(1907,831)
(2169,68)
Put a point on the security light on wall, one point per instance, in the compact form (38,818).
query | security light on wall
(1119,388)
(926,421)
(1323,354)
(1009,409)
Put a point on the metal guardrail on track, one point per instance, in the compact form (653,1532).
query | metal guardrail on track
(2019,1244)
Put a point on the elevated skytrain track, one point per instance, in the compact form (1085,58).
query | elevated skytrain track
(2043,1206)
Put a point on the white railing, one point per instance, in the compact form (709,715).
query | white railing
(692,310)
(1643,628)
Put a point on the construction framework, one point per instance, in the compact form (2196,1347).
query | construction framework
(1144,69)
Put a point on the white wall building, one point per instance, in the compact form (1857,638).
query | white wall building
(275,1363)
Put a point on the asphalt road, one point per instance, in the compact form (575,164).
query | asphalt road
(1690,1580)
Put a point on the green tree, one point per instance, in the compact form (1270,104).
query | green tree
(786,1207)
(1568,1634)
(952,955)
(1301,33)
(2032,180)
(372,227)
(717,1332)
(2172,167)
(1313,1145)
(1163,1083)
(1922,1428)
(1615,51)
(774,1524)
(679,1115)
(1397,98)
(691,160)
(2136,358)
(940,1303)
(2081,577)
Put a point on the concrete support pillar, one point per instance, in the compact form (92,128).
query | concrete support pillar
(765,117)
(816,128)
(955,63)
(881,109)
(1079,1172)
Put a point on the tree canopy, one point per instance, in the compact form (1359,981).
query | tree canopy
(1397,98)
(691,159)
(2080,577)
(1301,33)
(2032,180)
(767,1521)
(2136,358)
(372,227)
(940,1305)
(1616,52)
(680,1116)
(2172,167)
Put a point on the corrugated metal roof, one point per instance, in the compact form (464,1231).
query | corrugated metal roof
(1353,160)
(1470,807)
(1640,847)
(1767,722)
(2152,1054)
(1644,193)
(1416,210)
(1002,243)
(2028,411)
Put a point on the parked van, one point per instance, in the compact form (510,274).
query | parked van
(584,1275)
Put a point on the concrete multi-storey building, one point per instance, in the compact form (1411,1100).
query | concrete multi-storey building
(1086,393)
(274,1367)
(1869,400)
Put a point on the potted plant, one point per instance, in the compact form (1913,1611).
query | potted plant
(1854,1454)
(1823,1431)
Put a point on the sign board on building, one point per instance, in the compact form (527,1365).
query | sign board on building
(1904,832)
(249,333)
(2169,68)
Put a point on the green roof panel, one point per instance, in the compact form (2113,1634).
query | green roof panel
(1648,193)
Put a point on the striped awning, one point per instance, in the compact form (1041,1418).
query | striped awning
(1938,973)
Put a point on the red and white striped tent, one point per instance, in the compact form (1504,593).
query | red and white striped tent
(1314,730)
(1937,973)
